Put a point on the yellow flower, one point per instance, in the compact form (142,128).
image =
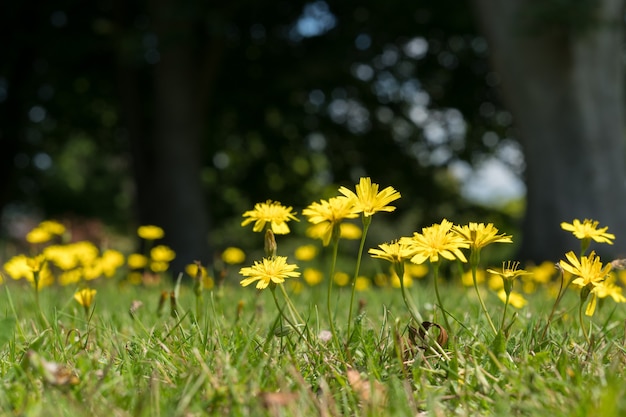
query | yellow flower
(305,252)
(273,270)
(368,200)
(159,266)
(415,270)
(436,241)
(608,288)
(38,235)
(111,260)
(233,255)
(136,261)
(85,297)
(350,231)
(588,229)
(479,235)
(271,212)
(588,270)
(362,284)
(341,278)
(326,214)
(312,276)
(162,253)
(467,279)
(150,232)
(394,252)
(52,227)
(515,299)
(509,272)
(407,280)
(18,267)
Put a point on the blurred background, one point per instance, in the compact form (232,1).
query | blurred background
(185,114)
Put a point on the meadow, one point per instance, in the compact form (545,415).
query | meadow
(433,332)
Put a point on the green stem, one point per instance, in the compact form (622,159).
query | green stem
(367,220)
(559,296)
(474,260)
(399,267)
(333,264)
(506,304)
(582,323)
(443,310)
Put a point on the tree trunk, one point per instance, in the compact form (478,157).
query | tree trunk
(180,205)
(565,91)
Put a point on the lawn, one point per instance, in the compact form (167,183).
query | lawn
(430,331)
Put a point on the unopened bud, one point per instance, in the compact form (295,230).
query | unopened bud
(270,244)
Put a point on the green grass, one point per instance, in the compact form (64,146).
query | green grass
(239,359)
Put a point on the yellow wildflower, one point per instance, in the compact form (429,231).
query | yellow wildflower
(150,232)
(362,284)
(136,261)
(479,235)
(38,235)
(588,229)
(341,278)
(85,297)
(273,270)
(52,227)
(368,200)
(588,270)
(305,252)
(271,212)
(436,241)
(233,255)
(327,214)
(312,276)
(395,252)
(162,253)
(515,299)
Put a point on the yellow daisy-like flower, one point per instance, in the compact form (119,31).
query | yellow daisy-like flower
(608,288)
(436,241)
(479,235)
(588,229)
(368,200)
(326,214)
(510,271)
(395,252)
(271,212)
(312,276)
(268,270)
(150,232)
(85,297)
(588,270)
(233,255)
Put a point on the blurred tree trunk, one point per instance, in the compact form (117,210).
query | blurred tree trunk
(166,140)
(564,85)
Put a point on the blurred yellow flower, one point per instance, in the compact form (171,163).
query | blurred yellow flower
(479,235)
(368,200)
(468,281)
(415,270)
(588,229)
(350,231)
(395,280)
(608,288)
(38,235)
(85,297)
(111,260)
(70,277)
(150,232)
(327,214)
(362,284)
(52,227)
(341,279)
(271,212)
(312,276)
(515,299)
(434,242)
(273,270)
(305,252)
(136,261)
(162,253)
(233,255)
(159,266)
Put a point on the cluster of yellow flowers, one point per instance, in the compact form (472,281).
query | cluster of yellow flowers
(442,241)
